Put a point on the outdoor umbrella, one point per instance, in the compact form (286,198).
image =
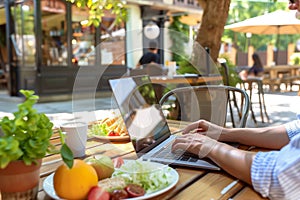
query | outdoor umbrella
(278,22)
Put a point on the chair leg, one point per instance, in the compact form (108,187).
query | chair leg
(251,104)
(260,105)
(263,101)
(230,110)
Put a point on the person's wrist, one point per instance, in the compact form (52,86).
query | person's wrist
(207,147)
(214,150)
(226,135)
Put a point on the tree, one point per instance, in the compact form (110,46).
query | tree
(98,8)
(215,13)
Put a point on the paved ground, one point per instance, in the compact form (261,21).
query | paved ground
(281,108)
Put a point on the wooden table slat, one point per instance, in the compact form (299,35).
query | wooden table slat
(208,187)
(248,194)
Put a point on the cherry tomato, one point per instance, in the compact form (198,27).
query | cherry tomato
(112,133)
(134,190)
(118,194)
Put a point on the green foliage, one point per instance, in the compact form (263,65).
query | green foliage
(97,9)
(25,19)
(147,92)
(179,36)
(185,67)
(27,133)
(67,155)
(234,78)
(295,59)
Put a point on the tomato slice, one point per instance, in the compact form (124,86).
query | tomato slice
(135,190)
(118,194)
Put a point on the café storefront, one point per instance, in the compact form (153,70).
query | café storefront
(48,42)
(50,48)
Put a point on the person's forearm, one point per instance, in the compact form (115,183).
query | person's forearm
(236,162)
(269,137)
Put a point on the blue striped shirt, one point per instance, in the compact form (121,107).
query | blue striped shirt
(276,174)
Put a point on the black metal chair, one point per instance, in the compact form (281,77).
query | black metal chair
(209,102)
(250,84)
(231,97)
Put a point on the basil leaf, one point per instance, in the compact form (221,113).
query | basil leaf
(67,155)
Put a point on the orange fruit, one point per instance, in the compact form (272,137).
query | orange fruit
(74,183)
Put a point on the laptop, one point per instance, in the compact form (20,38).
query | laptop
(147,126)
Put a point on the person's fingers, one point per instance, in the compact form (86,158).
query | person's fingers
(203,125)
(180,140)
(190,128)
(185,139)
(194,143)
(199,126)
(198,130)
(182,146)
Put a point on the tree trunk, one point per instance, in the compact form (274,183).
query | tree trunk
(215,13)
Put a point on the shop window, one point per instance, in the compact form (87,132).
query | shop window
(83,38)
(112,42)
(54,38)
(23,39)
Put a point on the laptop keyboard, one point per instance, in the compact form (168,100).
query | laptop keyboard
(166,153)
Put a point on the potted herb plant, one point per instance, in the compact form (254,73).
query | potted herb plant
(24,141)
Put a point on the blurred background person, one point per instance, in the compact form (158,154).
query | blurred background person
(257,69)
(151,56)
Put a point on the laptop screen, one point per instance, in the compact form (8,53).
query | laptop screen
(141,112)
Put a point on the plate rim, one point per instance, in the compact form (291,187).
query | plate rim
(111,138)
(48,182)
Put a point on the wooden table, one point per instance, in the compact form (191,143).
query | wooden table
(279,74)
(181,79)
(193,183)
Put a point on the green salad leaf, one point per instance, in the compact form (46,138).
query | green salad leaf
(99,129)
(151,176)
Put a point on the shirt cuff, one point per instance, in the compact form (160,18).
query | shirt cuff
(292,128)
(261,171)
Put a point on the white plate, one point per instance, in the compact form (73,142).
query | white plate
(49,189)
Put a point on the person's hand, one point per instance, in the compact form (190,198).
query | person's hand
(204,128)
(194,143)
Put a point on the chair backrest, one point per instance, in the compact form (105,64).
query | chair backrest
(207,102)
(226,71)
